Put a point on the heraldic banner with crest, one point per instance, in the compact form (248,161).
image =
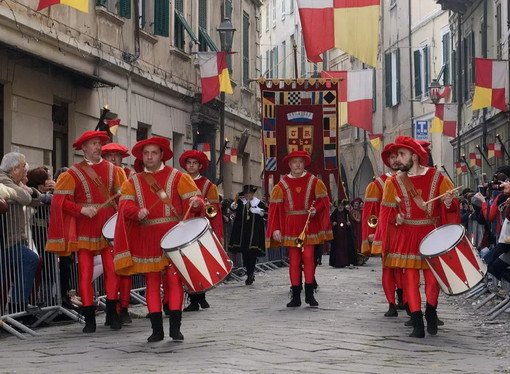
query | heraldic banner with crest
(301,115)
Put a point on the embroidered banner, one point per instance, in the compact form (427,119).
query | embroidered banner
(301,115)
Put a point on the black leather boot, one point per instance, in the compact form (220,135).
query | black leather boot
(124,316)
(392,311)
(111,314)
(400,299)
(431,317)
(202,301)
(296,297)
(157,327)
(89,312)
(419,327)
(175,325)
(193,303)
(309,298)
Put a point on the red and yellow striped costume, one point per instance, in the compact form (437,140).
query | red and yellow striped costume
(371,207)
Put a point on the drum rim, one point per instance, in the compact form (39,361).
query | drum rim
(448,249)
(173,249)
(116,214)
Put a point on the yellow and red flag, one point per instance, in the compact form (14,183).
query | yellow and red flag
(230,155)
(376,140)
(445,120)
(458,167)
(490,81)
(494,150)
(349,25)
(81,5)
(113,125)
(475,159)
(214,74)
(206,148)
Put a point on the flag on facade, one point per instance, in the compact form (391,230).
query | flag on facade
(230,155)
(214,74)
(463,167)
(494,150)
(490,81)
(354,97)
(352,26)
(113,125)
(376,140)
(475,159)
(445,120)
(458,168)
(206,148)
(81,5)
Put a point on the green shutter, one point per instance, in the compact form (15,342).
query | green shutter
(161,17)
(397,53)
(417,73)
(125,8)
(446,59)
(387,78)
(101,2)
(426,61)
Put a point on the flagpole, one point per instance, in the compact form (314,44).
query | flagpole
(503,148)
(467,165)
(446,171)
(484,157)
(294,47)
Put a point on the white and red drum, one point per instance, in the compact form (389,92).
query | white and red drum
(456,265)
(197,254)
(109,228)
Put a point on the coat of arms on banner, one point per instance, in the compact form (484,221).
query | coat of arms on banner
(300,138)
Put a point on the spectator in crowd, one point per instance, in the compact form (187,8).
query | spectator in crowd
(13,169)
(342,252)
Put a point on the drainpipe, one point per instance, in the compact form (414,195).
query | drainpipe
(411,78)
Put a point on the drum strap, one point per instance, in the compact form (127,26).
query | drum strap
(98,182)
(409,186)
(158,191)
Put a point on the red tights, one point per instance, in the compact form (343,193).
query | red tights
(298,257)
(86,269)
(391,279)
(126,283)
(172,288)
(412,288)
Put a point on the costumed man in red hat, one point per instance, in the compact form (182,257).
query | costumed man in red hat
(195,162)
(391,277)
(83,201)
(403,206)
(297,196)
(114,153)
(153,202)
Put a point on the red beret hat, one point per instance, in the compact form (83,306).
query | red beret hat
(413,145)
(115,148)
(302,154)
(387,151)
(163,143)
(197,155)
(87,135)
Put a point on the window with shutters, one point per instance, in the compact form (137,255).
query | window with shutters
(273,5)
(182,27)
(302,73)
(446,55)
(161,17)
(121,8)
(206,43)
(468,71)
(283,9)
(421,72)
(246,49)
(284,59)
(267,71)
(267,19)
(499,32)
(392,78)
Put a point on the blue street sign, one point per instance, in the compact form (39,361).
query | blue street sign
(421,130)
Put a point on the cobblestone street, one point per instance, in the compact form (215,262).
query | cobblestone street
(248,329)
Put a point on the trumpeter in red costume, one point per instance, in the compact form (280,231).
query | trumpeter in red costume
(404,211)
(296,197)
(153,202)
(391,277)
(196,162)
(82,203)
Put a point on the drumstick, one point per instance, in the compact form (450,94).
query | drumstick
(440,196)
(107,202)
(187,213)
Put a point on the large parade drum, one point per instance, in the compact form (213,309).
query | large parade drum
(455,263)
(197,254)
(109,228)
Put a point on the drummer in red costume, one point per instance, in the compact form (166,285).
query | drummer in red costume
(403,209)
(153,202)
(78,212)
(114,153)
(391,277)
(195,162)
(297,195)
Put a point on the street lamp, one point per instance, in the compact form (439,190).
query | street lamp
(434,91)
(226,31)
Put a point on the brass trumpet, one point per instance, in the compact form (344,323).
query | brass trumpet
(210,211)
(372,221)
(300,240)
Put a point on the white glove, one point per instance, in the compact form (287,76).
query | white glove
(257,210)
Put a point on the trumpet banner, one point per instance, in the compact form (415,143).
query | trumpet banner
(301,115)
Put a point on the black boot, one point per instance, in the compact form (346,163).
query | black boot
(89,312)
(157,327)
(296,297)
(124,316)
(309,298)
(202,301)
(193,303)
(175,325)
(166,309)
(400,299)
(431,317)
(419,327)
(392,311)
(249,279)
(111,314)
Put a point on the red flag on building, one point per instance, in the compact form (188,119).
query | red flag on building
(206,148)
(113,124)
(490,81)
(494,150)
(475,159)
(81,5)
(230,155)
(458,168)
(214,74)
(463,167)
(349,25)
(445,120)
